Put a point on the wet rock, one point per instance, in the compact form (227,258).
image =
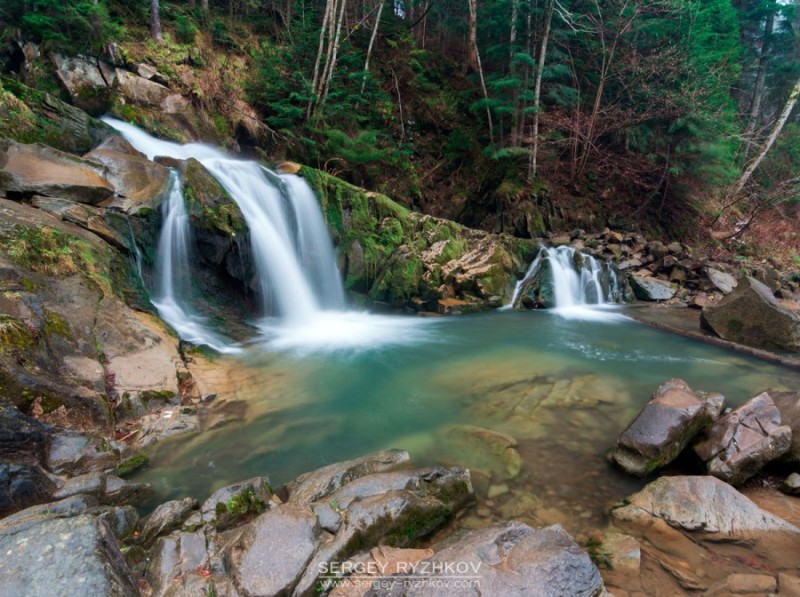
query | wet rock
(228,504)
(313,486)
(66,508)
(752,315)
(74,556)
(37,169)
(120,491)
(167,517)
(22,486)
(664,427)
(75,454)
(739,444)
(722,281)
(788,403)
(509,559)
(651,289)
(702,504)
(263,561)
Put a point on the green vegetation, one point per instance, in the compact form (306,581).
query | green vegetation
(132,464)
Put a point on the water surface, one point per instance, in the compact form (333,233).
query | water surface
(563,388)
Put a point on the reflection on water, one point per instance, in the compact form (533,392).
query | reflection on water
(530,401)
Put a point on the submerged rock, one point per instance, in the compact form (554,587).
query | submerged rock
(508,559)
(664,427)
(752,315)
(480,448)
(739,444)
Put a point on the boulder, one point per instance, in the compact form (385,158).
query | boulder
(313,486)
(139,183)
(506,559)
(230,503)
(722,281)
(700,504)
(165,518)
(76,454)
(647,288)
(72,556)
(140,91)
(263,561)
(89,81)
(37,169)
(752,315)
(22,486)
(739,444)
(791,484)
(788,403)
(664,427)
(179,564)
(23,439)
(89,218)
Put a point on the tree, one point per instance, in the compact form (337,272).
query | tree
(155,20)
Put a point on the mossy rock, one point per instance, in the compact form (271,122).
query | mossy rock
(210,206)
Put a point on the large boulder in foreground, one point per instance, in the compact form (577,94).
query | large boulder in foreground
(739,444)
(664,427)
(506,559)
(752,315)
(73,556)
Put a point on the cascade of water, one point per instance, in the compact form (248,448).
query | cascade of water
(577,278)
(173,266)
(293,254)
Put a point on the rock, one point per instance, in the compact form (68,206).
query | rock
(723,282)
(313,486)
(66,508)
(505,559)
(120,491)
(121,520)
(664,427)
(651,289)
(657,249)
(263,562)
(73,556)
(27,170)
(752,315)
(180,565)
(76,454)
(140,91)
(788,585)
(740,443)
(788,403)
(22,438)
(701,504)
(700,300)
(165,518)
(675,248)
(22,486)
(93,484)
(791,484)
(139,183)
(89,81)
(631,263)
(89,218)
(624,556)
(230,503)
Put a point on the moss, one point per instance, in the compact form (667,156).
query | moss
(132,464)
(244,503)
(165,395)
(15,336)
(209,204)
(54,324)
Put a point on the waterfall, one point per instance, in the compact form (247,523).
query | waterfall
(294,258)
(173,274)
(567,280)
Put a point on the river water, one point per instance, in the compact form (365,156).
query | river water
(453,391)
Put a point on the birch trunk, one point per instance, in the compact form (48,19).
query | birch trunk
(537,90)
(371,45)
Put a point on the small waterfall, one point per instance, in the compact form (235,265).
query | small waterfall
(173,274)
(292,250)
(564,278)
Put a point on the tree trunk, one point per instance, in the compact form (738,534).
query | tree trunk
(537,90)
(758,88)
(332,56)
(155,20)
(765,147)
(473,35)
(371,45)
(326,20)
(512,69)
